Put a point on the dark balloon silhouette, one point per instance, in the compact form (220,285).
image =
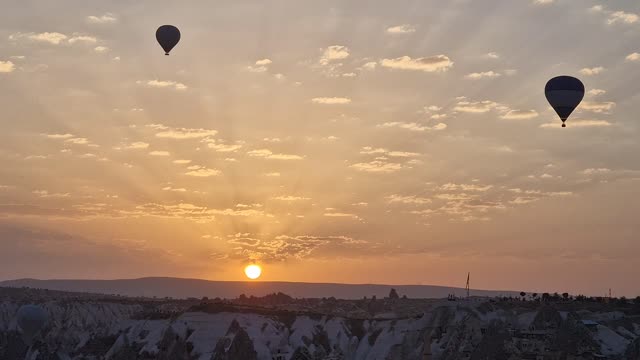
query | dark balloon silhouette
(31,319)
(564,93)
(168,37)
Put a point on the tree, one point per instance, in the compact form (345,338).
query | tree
(393,294)
(637,300)
(545,297)
(565,296)
(534,296)
(523,294)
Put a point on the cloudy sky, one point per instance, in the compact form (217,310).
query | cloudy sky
(403,142)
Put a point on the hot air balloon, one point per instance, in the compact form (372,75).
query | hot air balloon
(564,93)
(168,37)
(31,319)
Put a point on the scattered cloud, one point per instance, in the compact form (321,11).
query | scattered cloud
(260,66)
(46,194)
(438,63)
(272,174)
(520,115)
(334,52)
(401,29)
(107,18)
(492,55)
(200,171)
(592,71)
(594,171)
(342,215)
(596,92)
(6,67)
(410,200)
(633,57)
(182,162)
(53,38)
(331,100)
(159,153)
(377,166)
(167,132)
(136,145)
(101,49)
(577,124)
(483,75)
(159,84)
(598,107)
(477,107)
(543,2)
(622,17)
(83,39)
(268,154)
(291,198)
(412,126)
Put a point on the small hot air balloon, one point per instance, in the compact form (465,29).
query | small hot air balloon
(168,37)
(564,93)
(31,319)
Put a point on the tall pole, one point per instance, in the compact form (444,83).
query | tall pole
(468,276)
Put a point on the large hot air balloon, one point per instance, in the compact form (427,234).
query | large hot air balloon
(564,93)
(31,319)
(168,36)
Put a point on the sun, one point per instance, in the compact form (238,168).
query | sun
(253,271)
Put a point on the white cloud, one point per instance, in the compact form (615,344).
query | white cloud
(6,67)
(596,92)
(331,100)
(162,84)
(107,18)
(477,107)
(137,145)
(483,75)
(46,194)
(213,144)
(493,55)
(377,166)
(53,38)
(169,188)
(263,62)
(272,174)
(80,141)
(334,52)
(412,200)
(577,124)
(290,198)
(198,171)
(181,133)
(83,39)
(371,65)
(268,154)
(622,17)
(593,171)
(159,153)
(543,2)
(596,8)
(598,107)
(520,114)
(101,49)
(438,63)
(401,29)
(633,57)
(182,162)
(592,71)
(412,126)
(342,215)
(59,136)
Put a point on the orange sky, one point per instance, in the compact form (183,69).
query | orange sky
(358,142)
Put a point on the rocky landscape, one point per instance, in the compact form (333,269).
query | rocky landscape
(278,327)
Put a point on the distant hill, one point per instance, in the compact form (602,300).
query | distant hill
(184,288)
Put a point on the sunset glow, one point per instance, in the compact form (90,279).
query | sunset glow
(253,271)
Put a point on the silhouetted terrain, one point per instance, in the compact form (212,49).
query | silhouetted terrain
(184,288)
(85,326)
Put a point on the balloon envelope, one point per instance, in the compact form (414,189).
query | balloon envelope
(168,37)
(564,93)
(31,319)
